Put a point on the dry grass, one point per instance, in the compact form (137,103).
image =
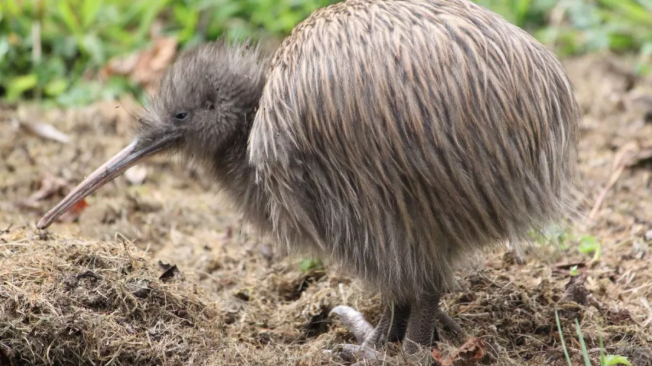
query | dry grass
(68,301)
(238,303)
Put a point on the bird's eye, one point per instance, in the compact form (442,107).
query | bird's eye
(181,116)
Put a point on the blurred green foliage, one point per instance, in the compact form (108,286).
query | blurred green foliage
(48,47)
(51,49)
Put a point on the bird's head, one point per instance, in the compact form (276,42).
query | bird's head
(203,110)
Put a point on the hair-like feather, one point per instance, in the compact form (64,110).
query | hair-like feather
(398,137)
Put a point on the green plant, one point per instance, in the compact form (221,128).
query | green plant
(307,264)
(553,235)
(561,338)
(589,245)
(612,360)
(585,352)
(51,50)
(609,360)
(574,271)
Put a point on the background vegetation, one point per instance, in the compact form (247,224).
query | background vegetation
(52,50)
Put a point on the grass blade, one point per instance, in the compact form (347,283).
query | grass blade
(563,342)
(585,352)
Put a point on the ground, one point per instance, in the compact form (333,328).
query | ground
(97,286)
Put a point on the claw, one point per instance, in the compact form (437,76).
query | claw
(354,321)
(355,353)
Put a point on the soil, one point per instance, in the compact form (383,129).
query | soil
(98,287)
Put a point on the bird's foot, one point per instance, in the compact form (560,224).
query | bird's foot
(448,323)
(357,354)
(369,338)
(413,326)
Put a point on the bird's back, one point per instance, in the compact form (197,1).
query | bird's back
(398,135)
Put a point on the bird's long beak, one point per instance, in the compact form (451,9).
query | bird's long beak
(129,156)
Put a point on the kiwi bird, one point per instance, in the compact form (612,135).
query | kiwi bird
(393,137)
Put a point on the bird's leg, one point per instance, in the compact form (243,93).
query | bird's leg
(392,325)
(421,329)
(390,328)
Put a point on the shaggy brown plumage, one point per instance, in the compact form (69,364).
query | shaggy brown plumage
(395,137)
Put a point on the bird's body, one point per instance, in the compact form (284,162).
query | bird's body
(396,137)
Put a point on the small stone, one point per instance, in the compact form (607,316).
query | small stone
(648,235)
(136,175)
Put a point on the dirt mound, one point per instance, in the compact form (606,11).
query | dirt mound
(66,301)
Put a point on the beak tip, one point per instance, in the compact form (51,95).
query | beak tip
(42,224)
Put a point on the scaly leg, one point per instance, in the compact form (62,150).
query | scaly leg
(422,330)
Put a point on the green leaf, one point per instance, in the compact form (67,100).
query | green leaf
(631,10)
(646,49)
(588,244)
(68,17)
(12,7)
(82,93)
(4,48)
(20,84)
(611,360)
(188,18)
(307,264)
(56,87)
(574,271)
(150,14)
(521,8)
(89,11)
(93,46)
(598,253)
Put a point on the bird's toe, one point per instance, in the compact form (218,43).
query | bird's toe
(354,321)
(449,323)
(358,354)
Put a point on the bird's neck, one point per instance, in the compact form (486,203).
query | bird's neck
(237,178)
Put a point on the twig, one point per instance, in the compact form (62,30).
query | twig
(647,306)
(620,162)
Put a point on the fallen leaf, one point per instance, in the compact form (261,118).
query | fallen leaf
(169,271)
(469,354)
(144,67)
(49,186)
(164,266)
(45,131)
(122,65)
